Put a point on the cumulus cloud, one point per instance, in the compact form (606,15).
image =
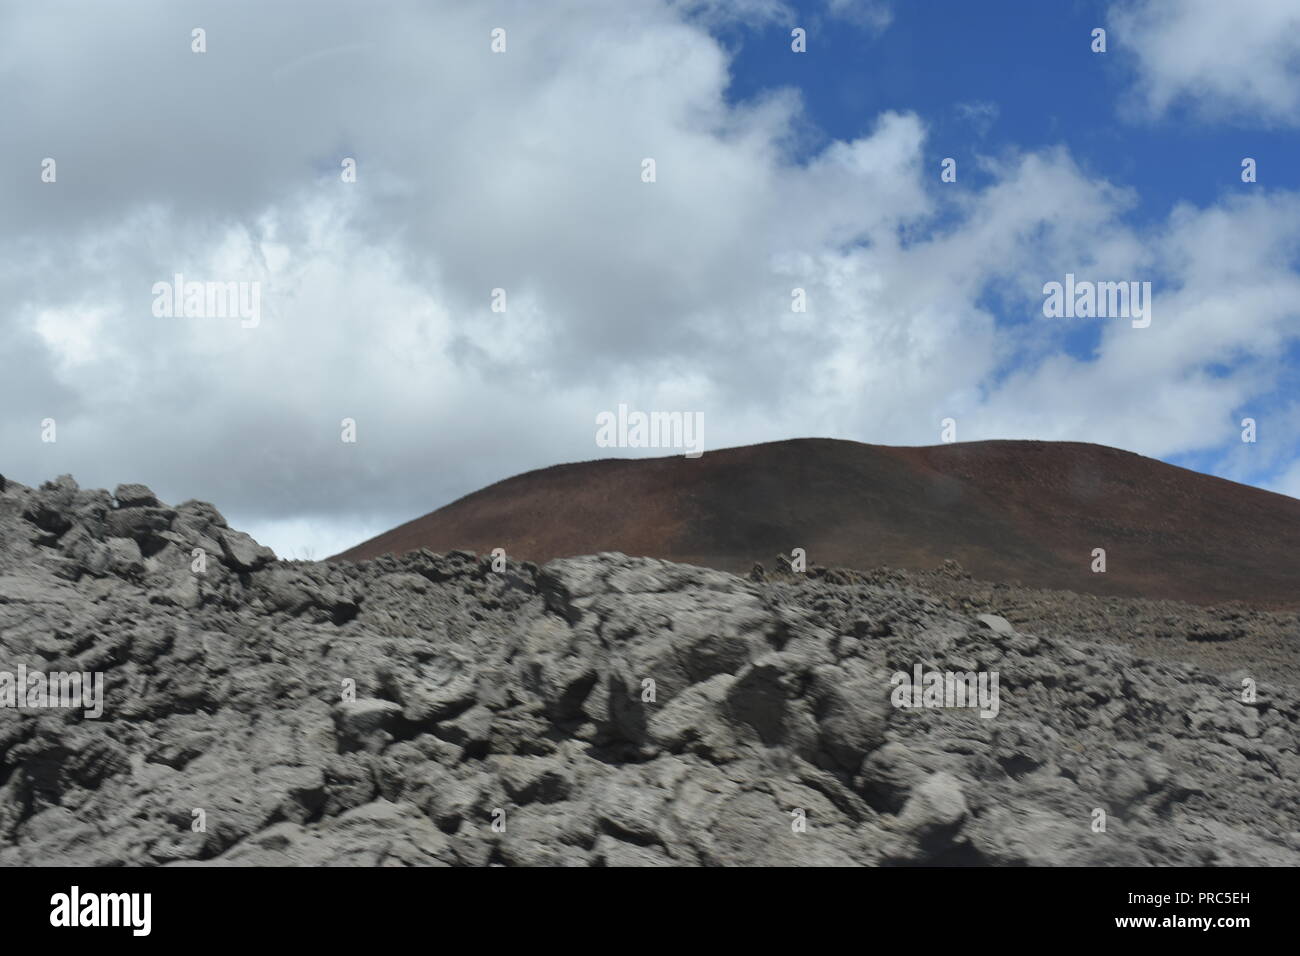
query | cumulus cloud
(1237,62)
(522,171)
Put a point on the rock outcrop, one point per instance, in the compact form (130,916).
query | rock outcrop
(599,710)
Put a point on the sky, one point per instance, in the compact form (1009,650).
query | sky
(481,168)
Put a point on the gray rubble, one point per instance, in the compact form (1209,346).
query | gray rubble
(600,710)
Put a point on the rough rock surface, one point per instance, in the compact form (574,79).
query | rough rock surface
(604,710)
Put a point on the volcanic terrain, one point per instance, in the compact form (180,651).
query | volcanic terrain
(1015,511)
(606,710)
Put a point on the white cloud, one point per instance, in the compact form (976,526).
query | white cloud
(875,15)
(979,114)
(1288,483)
(1231,61)
(522,171)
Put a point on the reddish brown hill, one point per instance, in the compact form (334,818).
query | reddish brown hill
(1007,510)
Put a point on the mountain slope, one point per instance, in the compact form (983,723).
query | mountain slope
(1006,510)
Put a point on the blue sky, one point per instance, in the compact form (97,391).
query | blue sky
(1031,63)
(1022,75)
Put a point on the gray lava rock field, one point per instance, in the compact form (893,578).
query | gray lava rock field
(607,710)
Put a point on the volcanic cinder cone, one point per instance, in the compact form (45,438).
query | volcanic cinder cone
(1023,511)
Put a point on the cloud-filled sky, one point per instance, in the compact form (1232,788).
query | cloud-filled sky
(522,170)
